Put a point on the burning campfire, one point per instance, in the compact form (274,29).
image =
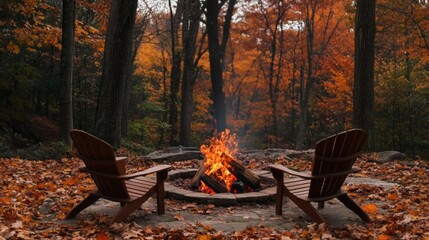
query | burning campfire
(220,171)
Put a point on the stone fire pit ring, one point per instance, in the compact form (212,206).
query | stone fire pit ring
(220,199)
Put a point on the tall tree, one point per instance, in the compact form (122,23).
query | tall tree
(363,91)
(317,41)
(66,70)
(217,55)
(274,21)
(115,67)
(191,23)
(176,69)
(141,24)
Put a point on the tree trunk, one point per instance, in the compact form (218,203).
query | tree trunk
(216,56)
(363,91)
(290,134)
(66,71)
(115,67)
(314,55)
(164,94)
(191,21)
(306,85)
(175,68)
(410,99)
(274,26)
(136,42)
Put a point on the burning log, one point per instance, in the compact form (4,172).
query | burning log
(213,184)
(195,182)
(242,173)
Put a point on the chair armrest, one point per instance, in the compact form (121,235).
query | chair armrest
(284,169)
(277,167)
(156,169)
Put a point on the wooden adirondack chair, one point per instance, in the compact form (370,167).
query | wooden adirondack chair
(108,173)
(333,160)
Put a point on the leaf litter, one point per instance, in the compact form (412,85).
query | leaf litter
(37,195)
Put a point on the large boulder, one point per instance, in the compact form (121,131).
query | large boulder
(389,156)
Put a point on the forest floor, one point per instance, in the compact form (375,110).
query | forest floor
(36,196)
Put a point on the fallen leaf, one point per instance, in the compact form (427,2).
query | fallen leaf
(102,236)
(190,205)
(392,196)
(17,224)
(204,237)
(370,208)
(148,229)
(179,217)
(5,200)
(383,237)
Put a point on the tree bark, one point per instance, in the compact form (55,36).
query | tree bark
(363,91)
(306,86)
(274,18)
(216,56)
(115,66)
(314,56)
(175,74)
(66,71)
(191,21)
(139,30)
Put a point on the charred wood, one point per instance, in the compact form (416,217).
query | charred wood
(195,182)
(242,173)
(213,184)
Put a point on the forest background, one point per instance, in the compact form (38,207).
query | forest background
(287,69)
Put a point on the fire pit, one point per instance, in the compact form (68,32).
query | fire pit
(220,199)
(221,179)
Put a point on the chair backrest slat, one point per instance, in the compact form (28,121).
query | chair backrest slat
(334,154)
(98,155)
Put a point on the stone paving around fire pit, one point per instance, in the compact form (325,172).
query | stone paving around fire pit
(220,199)
(235,218)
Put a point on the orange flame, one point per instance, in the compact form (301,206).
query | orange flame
(215,165)
(206,189)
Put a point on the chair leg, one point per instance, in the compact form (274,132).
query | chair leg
(352,205)
(160,192)
(82,205)
(125,210)
(279,199)
(306,207)
(279,176)
(320,205)
(160,198)
(128,208)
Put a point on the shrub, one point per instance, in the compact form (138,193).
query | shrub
(43,151)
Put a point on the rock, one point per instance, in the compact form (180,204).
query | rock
(303,154)
(46,207)
(269,153)
(389,156)
(174,154)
